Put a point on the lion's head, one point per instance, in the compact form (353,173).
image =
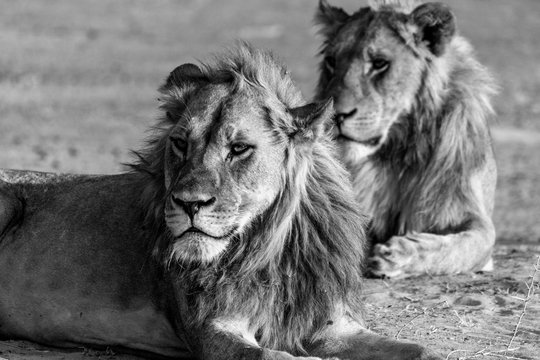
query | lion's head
(225,135)
(244,193)
(222,157)
(375,62)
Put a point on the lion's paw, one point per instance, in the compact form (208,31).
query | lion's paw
(393,259)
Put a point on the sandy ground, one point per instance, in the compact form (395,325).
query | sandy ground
(464,316)
(77,91)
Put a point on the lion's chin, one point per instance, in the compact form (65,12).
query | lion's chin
(198,247)
(353,152)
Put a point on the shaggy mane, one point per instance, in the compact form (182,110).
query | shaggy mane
(440,144)
(404,6)
(301,261)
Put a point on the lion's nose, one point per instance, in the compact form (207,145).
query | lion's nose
(193,207)
(341,117)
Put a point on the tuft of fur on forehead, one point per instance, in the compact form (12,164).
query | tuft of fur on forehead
(256,68)
(242,67)
(404,6)
(296,265)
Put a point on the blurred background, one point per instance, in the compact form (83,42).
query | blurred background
(78,79)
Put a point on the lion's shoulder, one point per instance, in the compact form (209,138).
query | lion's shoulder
(38,177)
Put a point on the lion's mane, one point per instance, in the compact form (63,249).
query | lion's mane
(440,144)
(298,263)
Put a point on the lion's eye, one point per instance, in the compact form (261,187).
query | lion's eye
(379,64)
(179,144)
(239,149)
(330,63)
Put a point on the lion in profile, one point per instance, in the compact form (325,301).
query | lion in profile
(235,235)
(412,105)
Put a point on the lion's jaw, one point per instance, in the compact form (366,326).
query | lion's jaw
(196,246)
(202,238)
(365,131)
(208,235)
(353,152)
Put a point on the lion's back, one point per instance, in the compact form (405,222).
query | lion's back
(77,261)
(62,212)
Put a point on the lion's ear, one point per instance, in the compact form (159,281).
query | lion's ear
(330,18)
(184,79)
(311,120)
(183,75)
(436,26)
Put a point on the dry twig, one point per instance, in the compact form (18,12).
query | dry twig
(504,352)
(530,293)
(424,312)
(463,321)
(484,352)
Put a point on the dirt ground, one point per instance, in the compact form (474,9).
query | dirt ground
(78,85)
(466,316)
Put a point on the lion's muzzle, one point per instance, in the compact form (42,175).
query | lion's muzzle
(192,207)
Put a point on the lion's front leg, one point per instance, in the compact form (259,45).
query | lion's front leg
(425,253)
(369,346)
(230,338)
(351,341)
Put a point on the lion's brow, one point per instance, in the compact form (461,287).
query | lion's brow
(363,19)
(369,20)
(216,116)
(394,22)
(239,135)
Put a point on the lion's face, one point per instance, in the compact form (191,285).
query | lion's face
(222,170)
(373,67)
(375,79)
